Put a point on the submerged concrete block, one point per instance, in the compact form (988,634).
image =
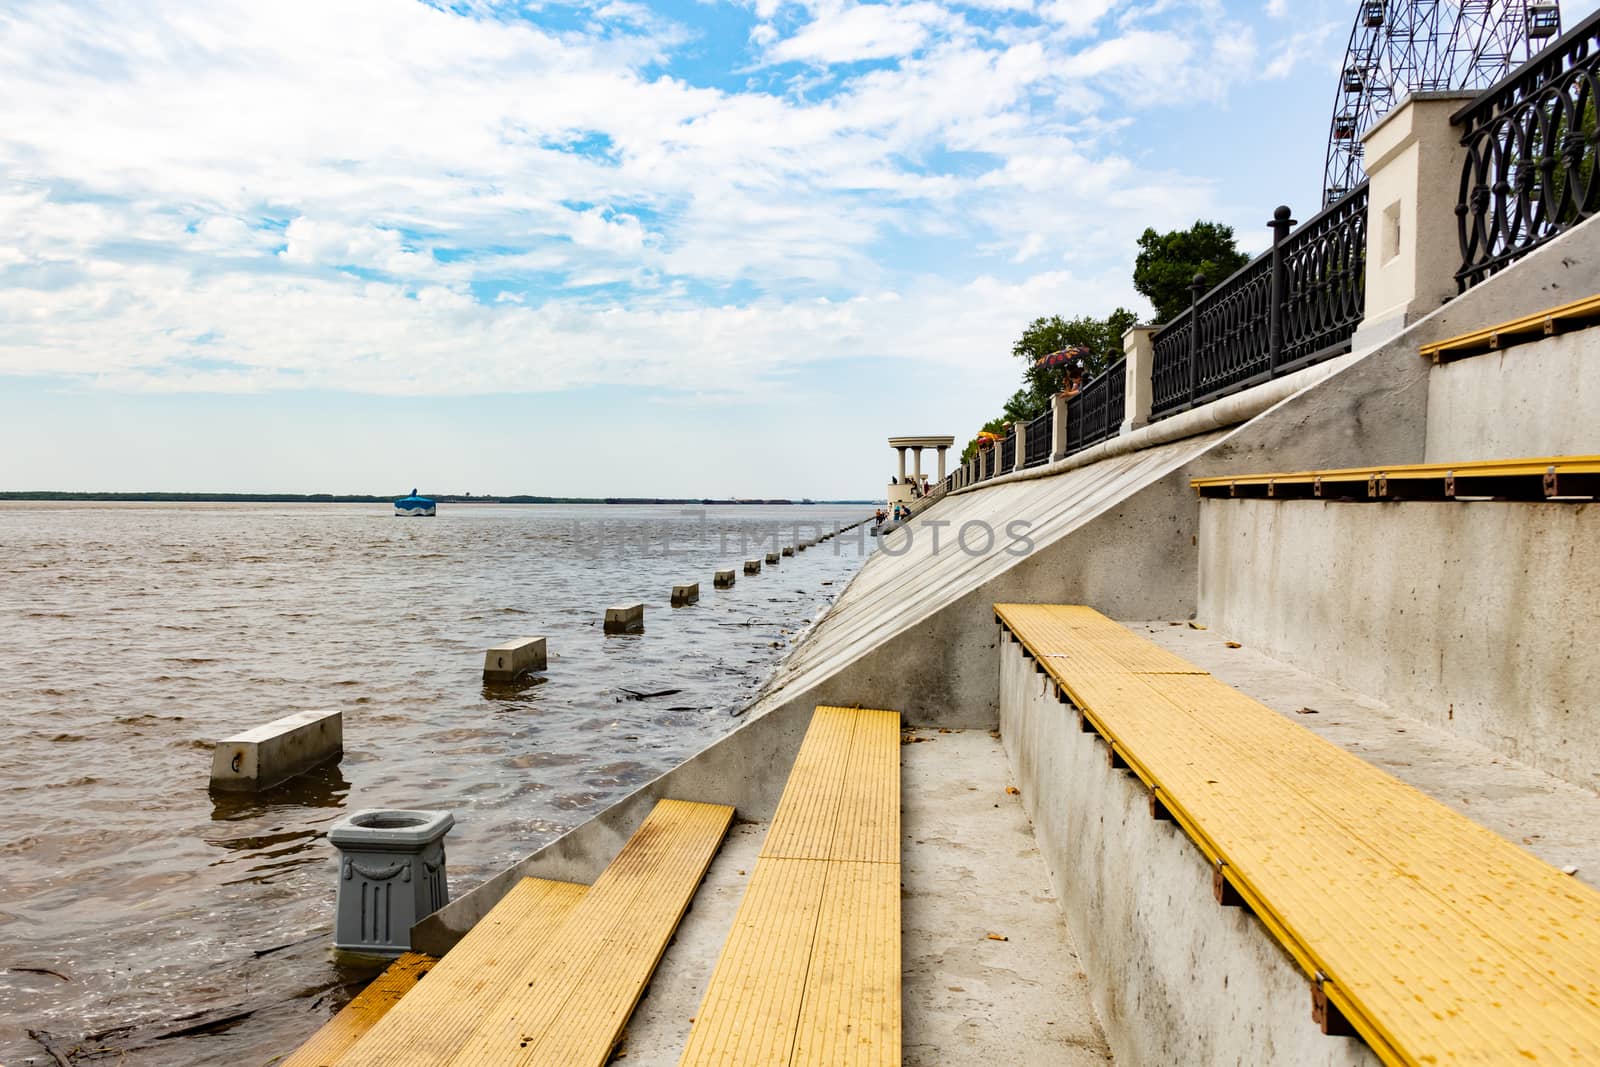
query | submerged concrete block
(625,619)
(752,566)
(772,557)
(391,875)
(724,579)
(788,550)
(271,754)
(504,662)
(685,594)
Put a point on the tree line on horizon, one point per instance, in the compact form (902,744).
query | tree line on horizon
(1162,271)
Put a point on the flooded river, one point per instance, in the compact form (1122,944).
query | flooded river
(144,921)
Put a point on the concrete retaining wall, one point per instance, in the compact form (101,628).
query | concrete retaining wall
(1175,977)
(1477,617)
(1537,399)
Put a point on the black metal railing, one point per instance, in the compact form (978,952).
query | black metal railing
(1531,141)
(1038,441)
(1095,413)
(1008,453)
(1294,305)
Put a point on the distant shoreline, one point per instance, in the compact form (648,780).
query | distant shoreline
(348,498)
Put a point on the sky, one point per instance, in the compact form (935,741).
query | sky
(596,247)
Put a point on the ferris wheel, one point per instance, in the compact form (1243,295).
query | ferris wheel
(1400,46)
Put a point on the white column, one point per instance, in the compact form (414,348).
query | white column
(1019,456)
(1413,161)
(1058,427)
(902,452)
(1139,350)
(941,462)
(916,464)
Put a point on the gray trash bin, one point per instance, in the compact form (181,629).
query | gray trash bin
(391,874)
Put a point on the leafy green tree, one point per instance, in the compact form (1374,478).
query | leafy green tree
(1102,337)
(1168,262)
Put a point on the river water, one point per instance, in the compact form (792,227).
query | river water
(187,928)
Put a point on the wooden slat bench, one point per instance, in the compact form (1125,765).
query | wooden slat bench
(1537,478)
(569,1003)
(810,973)
(1438,941)
(362,1013)
(434,1019)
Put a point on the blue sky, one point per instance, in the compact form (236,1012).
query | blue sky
(615,247)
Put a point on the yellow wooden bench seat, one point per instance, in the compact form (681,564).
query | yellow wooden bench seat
(1575,315)
(432,1021)
(1437,940)
(810,973)
(1536,478)
(569,1003)
(325,1046)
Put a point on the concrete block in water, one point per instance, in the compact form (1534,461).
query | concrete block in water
(504,662)
(685,594)
(772,557)
(391,875)
(788,550)
(268,755)
(724,579)
(752,566)
(625,619)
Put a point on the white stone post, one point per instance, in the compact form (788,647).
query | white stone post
(916,464)
(1138,348)
(902,452)
(1413,161)
(942,450)
(1019,454)
(1058,427)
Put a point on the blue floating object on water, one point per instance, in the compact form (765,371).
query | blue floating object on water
(415,505)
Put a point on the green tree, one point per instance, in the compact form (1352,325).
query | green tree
(1102,337)
(1168,262)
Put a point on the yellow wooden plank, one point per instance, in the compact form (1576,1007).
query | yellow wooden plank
(1445,943)
(569,1005)
(1540,322)
(751,1009)
(431,1023)
(868,823)
(364,1010)
(1487,468)
(811,971)
(850,1014)
(802,828)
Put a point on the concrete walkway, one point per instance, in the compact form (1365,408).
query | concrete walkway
(1548,816)
(970,869)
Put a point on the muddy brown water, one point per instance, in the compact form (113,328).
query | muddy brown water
(144,920)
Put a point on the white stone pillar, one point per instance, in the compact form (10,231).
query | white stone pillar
(916,464)
(1019,457)
(942,450)
(1413,160)
(1058,427)
(902,452)
(1139,350)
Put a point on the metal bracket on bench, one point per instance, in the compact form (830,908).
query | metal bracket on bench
(1114,758)
(1158,810)
(1225,892)
(1325,1013)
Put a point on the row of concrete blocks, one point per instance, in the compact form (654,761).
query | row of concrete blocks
(284,748)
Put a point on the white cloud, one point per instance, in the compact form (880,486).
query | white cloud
(385,196)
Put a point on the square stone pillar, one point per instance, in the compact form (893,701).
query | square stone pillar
(1413,161)
(1058,427)
(1019,455)
(942,450)
(1138,348)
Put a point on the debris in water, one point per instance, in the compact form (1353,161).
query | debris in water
(635,694)
(36,970)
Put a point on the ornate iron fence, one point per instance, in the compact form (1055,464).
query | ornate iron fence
(1038,441)
(1008,453)
(1530,172)
(1096,412)
(1295,304)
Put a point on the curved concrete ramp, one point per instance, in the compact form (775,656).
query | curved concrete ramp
(915,627)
